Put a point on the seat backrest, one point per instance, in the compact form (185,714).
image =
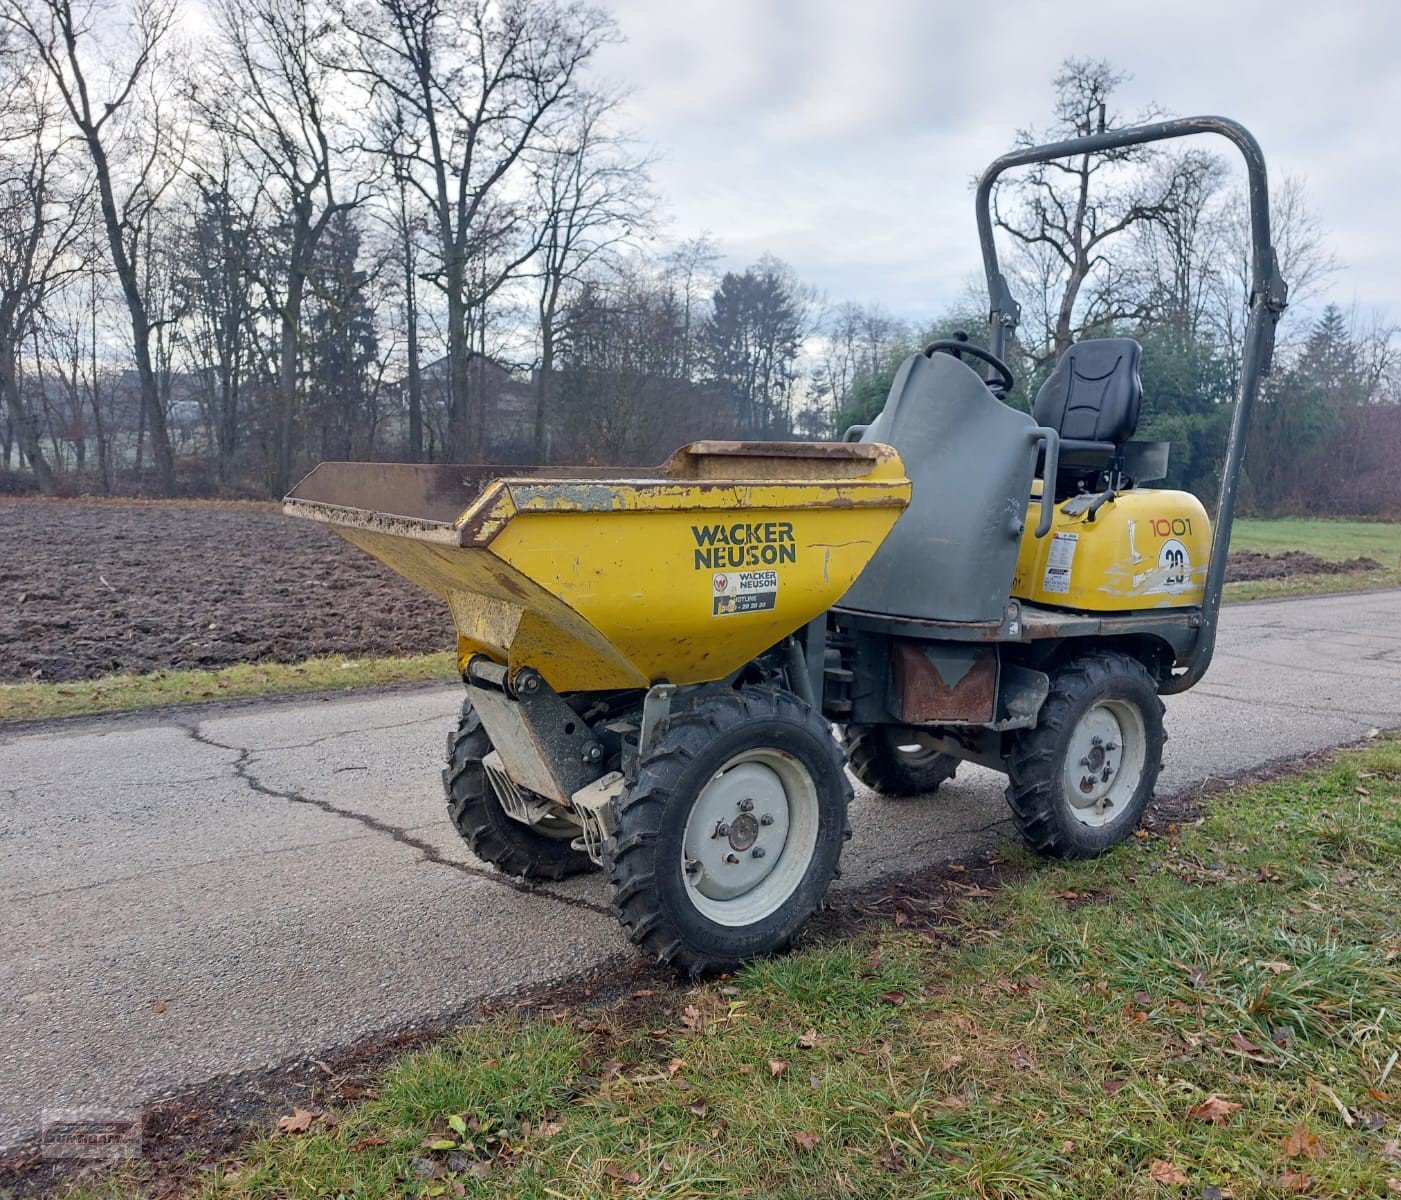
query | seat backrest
(952,554)
(1094,393)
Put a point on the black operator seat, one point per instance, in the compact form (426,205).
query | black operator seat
(1092,400)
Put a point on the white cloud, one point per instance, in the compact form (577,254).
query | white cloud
(842,136)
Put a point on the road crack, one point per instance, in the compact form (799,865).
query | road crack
(242,768)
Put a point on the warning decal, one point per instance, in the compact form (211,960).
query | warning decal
(744,591)
(1060,562)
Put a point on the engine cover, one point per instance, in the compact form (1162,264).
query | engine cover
(1144,549)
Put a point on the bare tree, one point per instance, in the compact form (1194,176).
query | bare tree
(856,340)
(591,195)
(218,301)
(126,129)
(42,220)
(691,269)
(1065,212)
(474,86)
(1305,260)
(273,97)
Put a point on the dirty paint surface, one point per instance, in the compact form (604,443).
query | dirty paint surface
(620,579)
(1145,549)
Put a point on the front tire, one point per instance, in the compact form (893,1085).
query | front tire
(493,835)
(894,761)
(1080,782)
(726,840)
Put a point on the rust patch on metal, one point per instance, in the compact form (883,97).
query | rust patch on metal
(923,693)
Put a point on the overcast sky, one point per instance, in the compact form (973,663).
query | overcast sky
(841,135)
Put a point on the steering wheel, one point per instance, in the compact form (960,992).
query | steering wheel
(1005,380)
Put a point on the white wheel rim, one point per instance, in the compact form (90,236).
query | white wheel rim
(1104,762)
(750,837)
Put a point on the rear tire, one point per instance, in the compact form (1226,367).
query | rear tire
(1079,782)
(764,766)
(493,835)
(889,759)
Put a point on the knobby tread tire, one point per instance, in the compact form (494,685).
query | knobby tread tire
(643,857)
(1035,790)
(490,833)
(872,754)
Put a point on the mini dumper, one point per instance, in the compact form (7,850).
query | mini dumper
(657,661)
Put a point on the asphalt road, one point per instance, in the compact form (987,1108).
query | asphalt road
(185,896)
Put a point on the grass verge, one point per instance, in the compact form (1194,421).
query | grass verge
(1329,539)
(117,693)
(1214,1012)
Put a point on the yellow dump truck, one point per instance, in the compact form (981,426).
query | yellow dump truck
(668,671)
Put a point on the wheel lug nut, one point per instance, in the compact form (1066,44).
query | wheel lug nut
(746,805)
(766,819)
(732,858)
(757,852)
(1111,745)
(721,830)
(1085,762)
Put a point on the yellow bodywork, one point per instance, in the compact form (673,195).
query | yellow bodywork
(1144,549)
(599,580)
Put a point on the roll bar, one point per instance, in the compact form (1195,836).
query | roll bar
(1268,297)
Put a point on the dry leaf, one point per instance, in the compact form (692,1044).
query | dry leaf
(299,1121)
(777,1067)
(891,1159)
(1167,1174)
(808,1040)
(1111,1086)
(692,1019)
(698,1109)
(1244,1044)
(805,1140)
(367,1143)
(1275,968)
(1394,1185)
(674,1065)
(1214,1109)
(952,1063)
(1067,1147)
(1301,1143)
(895,998)
(1294,1181)
(158,1006)
(1022,1058)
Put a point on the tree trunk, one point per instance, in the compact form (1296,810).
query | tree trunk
(152,411)
(542,389)
(415,372)
(289,358)
(25,433)
(460,446)
(287,388)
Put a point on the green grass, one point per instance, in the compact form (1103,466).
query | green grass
(1061,1037)
(117,693)
(1333,540)
(1330,539)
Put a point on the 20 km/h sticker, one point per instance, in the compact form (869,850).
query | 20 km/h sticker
(744,591)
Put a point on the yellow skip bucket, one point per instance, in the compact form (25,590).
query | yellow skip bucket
(606,578)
